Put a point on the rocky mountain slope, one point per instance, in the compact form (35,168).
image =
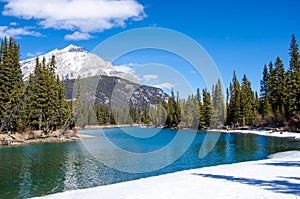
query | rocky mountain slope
(115,92)
(101,82)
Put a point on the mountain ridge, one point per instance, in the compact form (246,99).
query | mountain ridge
(73,61)
(115,92)
(103,83)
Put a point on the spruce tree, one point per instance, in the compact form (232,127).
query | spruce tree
(64,110)
(11,85)
(218,115)
(271,84)
(79,107)
(234,112)
(265,107)
(45,107)
(293,79)
(173,111)
(247,102)
(279,88)
(206,110)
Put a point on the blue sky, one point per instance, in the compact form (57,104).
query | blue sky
(238,35)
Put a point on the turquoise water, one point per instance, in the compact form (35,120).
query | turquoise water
(35,170)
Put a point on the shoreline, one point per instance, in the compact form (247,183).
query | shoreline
(108,126)
(72,135)
(268,133)
(275,177)
(17,139)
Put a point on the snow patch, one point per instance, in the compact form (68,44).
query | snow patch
(275,178)
(73,61)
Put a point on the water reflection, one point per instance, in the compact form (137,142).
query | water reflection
(34,170)
(25,175)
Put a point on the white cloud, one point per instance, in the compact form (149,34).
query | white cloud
(13,23)
(78,36)
(125,69)
(85,16)
(15,32)
(30,54)
(149,77)
(165,85)
(129,72)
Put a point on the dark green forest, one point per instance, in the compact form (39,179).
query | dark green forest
(40,103)
(277,104)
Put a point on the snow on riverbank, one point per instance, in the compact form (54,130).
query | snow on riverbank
(277,177)
(283,134)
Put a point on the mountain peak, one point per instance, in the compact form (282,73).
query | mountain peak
(73,48)
(72,61)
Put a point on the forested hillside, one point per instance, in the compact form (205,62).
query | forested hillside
(41,103)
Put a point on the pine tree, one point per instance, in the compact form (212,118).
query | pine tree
(132,113)
(234,111)
(64,107)
(278,90)
(264,89)
(197,109)
(293,79)
(256,106)
(247,102)
(218,115)
(170,111)
(206,110)
(271,85)
(173,111)
(160,113)
(79,107)
(227,106)
(187,106)
(35,98)
(45,105)
(265,106)
(147,118)
(5,75)
(18,89)
(12,87)
(177,110)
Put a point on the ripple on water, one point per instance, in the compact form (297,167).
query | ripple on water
(41,169)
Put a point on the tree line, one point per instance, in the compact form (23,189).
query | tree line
(277,104)
(37,104)
(40,102)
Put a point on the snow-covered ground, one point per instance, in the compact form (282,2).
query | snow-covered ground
(277,177)
(283,134)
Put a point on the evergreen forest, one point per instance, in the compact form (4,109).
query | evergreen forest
(40,102)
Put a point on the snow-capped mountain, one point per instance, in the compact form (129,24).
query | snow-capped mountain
(73,61)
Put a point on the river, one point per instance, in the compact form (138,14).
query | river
(40,169)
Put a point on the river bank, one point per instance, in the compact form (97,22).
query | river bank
(36,137)
(268,133)
(109,126)
(276,177)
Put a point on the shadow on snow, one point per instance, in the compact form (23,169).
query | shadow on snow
(284,164)
(279,186)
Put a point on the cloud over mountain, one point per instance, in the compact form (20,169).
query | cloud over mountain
(82,16)
(18,31)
